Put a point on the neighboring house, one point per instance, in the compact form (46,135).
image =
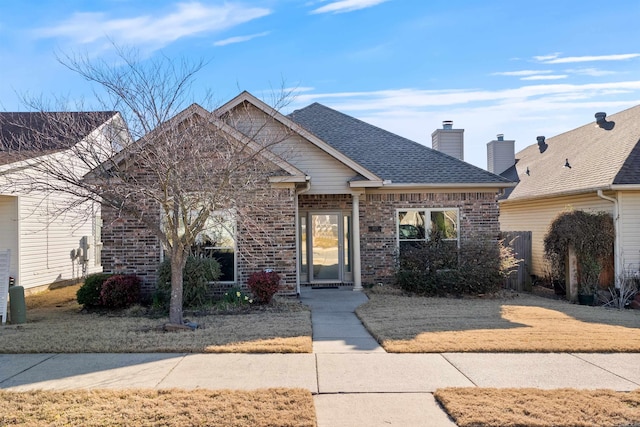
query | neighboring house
(348,196)
(593,168)
(47,246)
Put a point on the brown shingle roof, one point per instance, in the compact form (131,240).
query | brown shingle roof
(598,158)
(26,135)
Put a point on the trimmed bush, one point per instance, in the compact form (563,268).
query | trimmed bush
(89,293)
(430,268)
(264,285)
(120,291)
(197,275)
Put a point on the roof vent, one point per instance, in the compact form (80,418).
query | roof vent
(542,146)
(447,124)
(601,121)
(500,137)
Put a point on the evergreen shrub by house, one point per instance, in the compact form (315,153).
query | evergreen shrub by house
(120,291)
(197,275)
(438,267)
(89,293)
(264,285)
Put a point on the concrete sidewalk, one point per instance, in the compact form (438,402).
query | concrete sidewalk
(354,381)
(351,389)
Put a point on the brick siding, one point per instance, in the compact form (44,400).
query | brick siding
(378,244)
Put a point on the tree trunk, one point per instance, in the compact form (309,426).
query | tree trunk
(178,261)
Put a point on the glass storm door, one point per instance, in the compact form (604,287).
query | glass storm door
(325,248)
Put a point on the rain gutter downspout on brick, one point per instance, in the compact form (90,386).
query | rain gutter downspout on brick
(307,187)
(616,244)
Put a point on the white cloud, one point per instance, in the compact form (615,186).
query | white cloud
(549,57)
(520,113)
(521,73)
(343,6)
(555,59)
(240,39)
(592,72)
(188,19)
(551,77)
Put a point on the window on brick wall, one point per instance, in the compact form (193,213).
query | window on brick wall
(415,225)
(218,240)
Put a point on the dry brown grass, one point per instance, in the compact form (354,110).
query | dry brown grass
(522,323)
(486,407)
(269,407)
(56,324)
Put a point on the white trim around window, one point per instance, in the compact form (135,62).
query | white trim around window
(415,224)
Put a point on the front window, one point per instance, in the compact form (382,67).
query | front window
(218,241)
(416,225)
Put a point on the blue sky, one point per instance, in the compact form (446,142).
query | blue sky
(521,68)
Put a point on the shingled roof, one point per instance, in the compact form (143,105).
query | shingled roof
(30,134)
(598,159)
(386,154)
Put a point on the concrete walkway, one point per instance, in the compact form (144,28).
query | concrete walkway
(353,381)
(336,328)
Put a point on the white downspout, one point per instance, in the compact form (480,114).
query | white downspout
(297,225)
(616,245)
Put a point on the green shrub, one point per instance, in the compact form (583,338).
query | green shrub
(120,291)
(428,267)
(89,293)
(197,275)
(264,285)
(438,268)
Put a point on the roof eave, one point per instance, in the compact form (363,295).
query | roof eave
(558,194)
(366,184)
(496,185)
(628,187)
(285,179)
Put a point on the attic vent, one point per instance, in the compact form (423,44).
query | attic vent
(542,145)
(601,121)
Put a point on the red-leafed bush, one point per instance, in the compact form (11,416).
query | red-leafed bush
(264,285)
(120,291)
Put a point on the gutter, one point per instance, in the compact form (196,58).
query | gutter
(454,185)
(616,227)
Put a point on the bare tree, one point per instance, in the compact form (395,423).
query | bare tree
(170,167)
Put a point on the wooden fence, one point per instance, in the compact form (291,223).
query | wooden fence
(520,242)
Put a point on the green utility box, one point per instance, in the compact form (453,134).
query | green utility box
(17,305)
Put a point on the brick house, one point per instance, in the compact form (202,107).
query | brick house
(346,197)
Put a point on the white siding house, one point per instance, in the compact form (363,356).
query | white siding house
(50,241)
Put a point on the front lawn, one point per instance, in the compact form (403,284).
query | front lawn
(261,408)
(56,324)
(513,323)
(487,407)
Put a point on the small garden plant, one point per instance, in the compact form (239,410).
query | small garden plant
(264,285)
(235,297)
(120,291)
(89,293)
